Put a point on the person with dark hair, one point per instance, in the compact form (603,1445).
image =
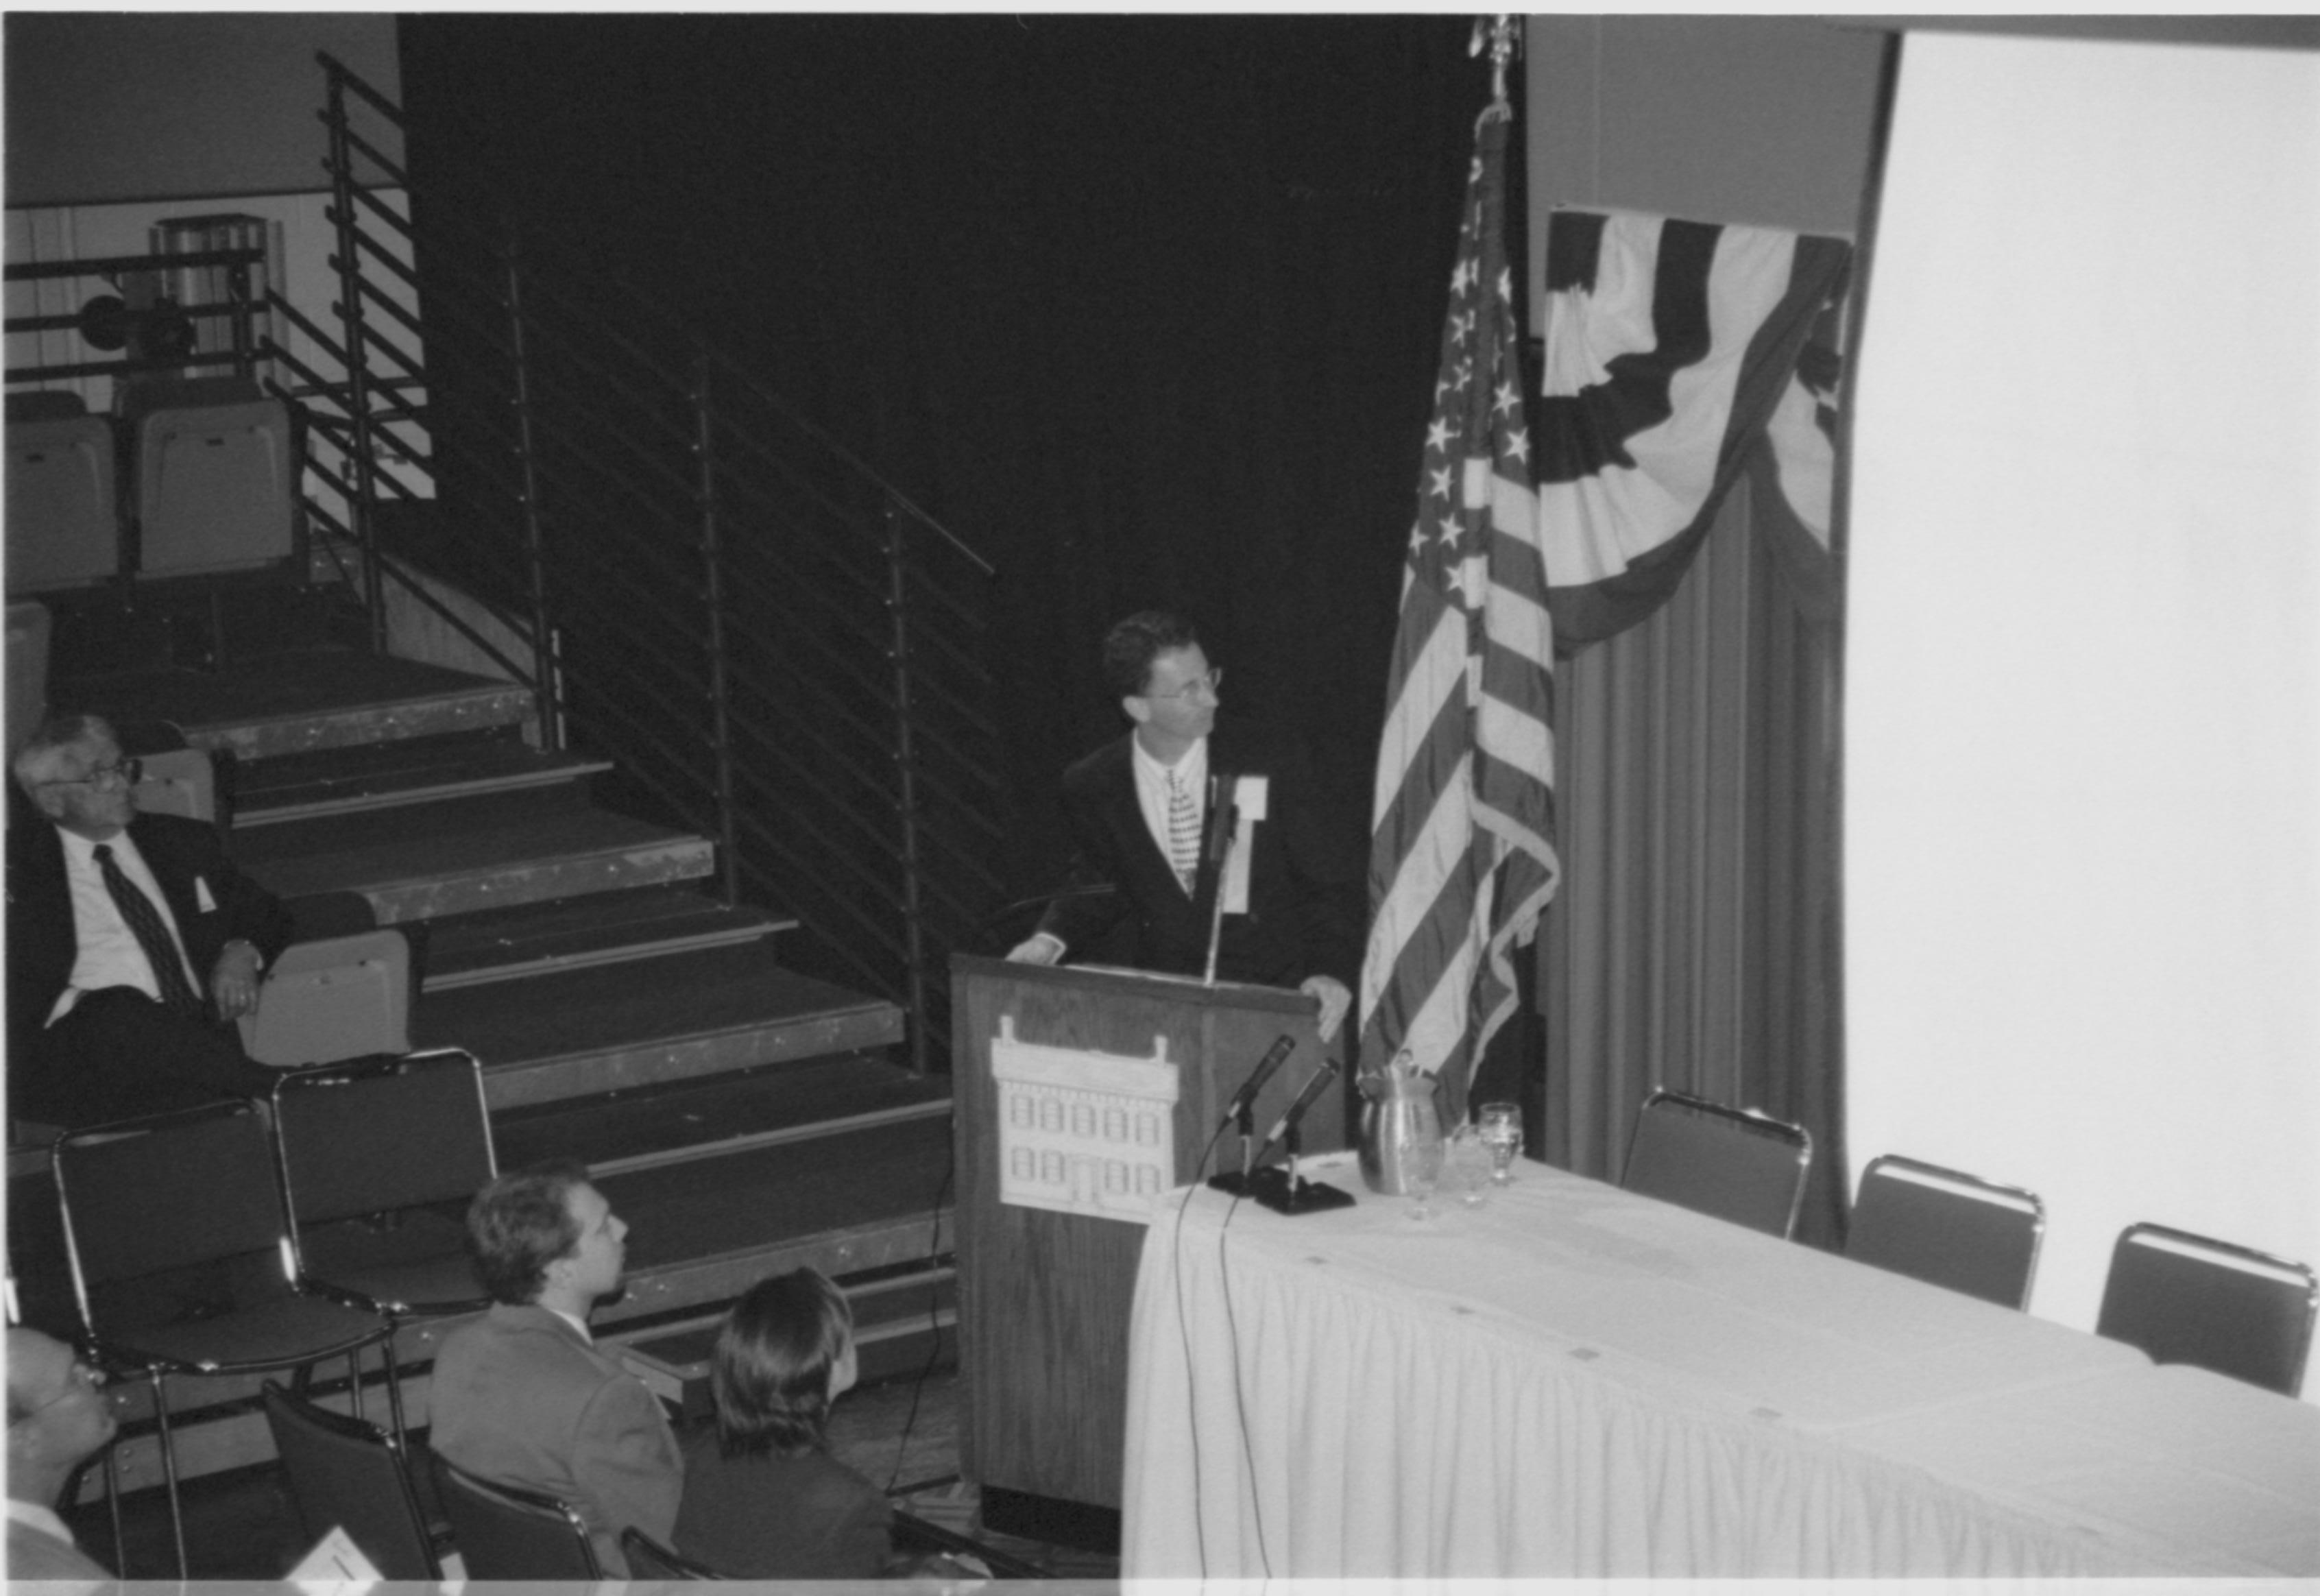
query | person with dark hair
(57,1418)
(1140,809)
(133,943)
(523,1396)
(763,1497)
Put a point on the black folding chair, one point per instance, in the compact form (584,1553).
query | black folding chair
(174,1234)
(1735,1164)
(650,1560)
(504,1532)
(378,1158)
(1948,1228)
(348,1474)
(2187,1299)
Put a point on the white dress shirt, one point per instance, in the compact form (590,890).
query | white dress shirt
(109,953)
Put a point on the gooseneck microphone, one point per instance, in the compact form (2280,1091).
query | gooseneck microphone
(1245,1099)
(1307,1096)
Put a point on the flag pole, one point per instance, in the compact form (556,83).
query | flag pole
(1502,33)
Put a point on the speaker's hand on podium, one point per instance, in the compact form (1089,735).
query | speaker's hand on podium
(1334,999)
(1039,948)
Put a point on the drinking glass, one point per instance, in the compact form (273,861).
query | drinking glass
(1423,1172)
(1467,1171)
(1499,1125)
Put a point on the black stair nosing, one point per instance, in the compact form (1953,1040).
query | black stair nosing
(789,1135)
(259,737)
(482,810)
(522,1082)
(459,956)
(815,1095)
(722,1277)
(367,792)
(405,889)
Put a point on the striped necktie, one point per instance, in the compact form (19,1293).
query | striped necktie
(1183,832)
(152,934)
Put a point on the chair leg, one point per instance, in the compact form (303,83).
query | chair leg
(394,1383)
(354,1382)
(113,1506)
(169,1471)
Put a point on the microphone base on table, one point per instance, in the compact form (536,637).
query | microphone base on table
(1273,1187)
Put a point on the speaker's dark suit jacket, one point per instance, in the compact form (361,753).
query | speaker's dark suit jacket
(185,856)
(1306,892)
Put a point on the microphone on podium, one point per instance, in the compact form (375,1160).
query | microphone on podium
(1285,1126)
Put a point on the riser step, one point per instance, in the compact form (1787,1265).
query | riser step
(463,855)
(392,776)
(687,1122)
(577,1033)
(311,699)
(570,934)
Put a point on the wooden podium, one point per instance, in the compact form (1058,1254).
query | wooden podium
(1044,1290)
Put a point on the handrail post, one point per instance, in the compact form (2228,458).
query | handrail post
(906,767)
(543,662)
(357,359)
(712,561)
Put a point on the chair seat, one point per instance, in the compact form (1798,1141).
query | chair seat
(278,1335)
(416,1266)
(426,1289)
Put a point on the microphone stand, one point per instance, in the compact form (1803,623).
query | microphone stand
(1227,822)
(1284,1190)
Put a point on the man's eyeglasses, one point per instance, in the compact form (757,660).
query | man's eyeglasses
(1214,680)
(127,772)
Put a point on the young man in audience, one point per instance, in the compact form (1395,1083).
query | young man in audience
(58,1416)
(522,1396)
(133,943)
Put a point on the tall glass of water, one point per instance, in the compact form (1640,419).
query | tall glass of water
(1500,1127)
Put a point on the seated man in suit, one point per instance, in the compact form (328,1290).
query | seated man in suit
(58,1416)
(1140,810)
(523,1396)
(133,943)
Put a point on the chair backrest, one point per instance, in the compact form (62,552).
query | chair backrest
(347,1474)
(333,999)
(179,781)
(215,484)
(650,1560)
(2187,1299)
(29,628)
(380,1135)
(1951,1229)
(506,1533)
(1738,1166)
(63,516)
(166,1191)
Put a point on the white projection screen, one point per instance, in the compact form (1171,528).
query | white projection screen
(2082,693)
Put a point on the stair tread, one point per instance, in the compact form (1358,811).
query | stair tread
(591,930)
(374,775)
(858,1180)
(575,1013)
(310,682)
(442,838)
(682,1120)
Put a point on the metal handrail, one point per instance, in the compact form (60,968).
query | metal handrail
(760,671)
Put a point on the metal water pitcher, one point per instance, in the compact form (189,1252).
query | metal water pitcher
(1401,1131)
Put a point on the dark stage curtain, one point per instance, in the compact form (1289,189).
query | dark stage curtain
(1145,309)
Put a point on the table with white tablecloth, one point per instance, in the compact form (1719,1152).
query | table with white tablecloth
(1576,1381)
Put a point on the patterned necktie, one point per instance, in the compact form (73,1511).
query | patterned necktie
(152,935)
(1183,832)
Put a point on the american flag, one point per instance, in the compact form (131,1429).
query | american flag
(1462,859)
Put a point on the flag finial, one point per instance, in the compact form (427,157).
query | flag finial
(1503,34)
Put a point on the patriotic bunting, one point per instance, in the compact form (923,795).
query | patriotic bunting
(1670,348)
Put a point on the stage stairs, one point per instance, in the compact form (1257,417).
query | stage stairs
(743,1116)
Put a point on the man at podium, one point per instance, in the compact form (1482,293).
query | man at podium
(1176,814)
